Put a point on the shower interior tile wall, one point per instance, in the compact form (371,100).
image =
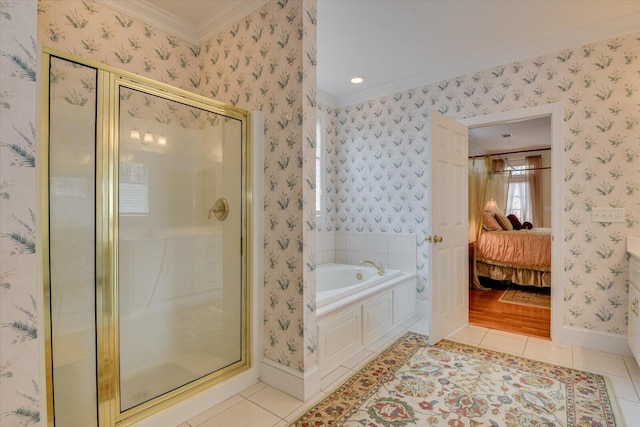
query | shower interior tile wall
(396,251)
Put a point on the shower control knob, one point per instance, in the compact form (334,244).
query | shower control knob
(220,209)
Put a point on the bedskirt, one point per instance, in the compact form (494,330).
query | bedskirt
(520,276)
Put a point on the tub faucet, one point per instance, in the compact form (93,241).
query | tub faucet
(378,267)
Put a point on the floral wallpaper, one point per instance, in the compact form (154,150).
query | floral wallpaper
(309,227)
(92,31)
(266,62)
(377,168)
(19,334)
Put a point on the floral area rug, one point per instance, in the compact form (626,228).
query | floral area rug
(533,299)
(450,384)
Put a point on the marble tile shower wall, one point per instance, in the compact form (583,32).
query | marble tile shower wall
(378,167)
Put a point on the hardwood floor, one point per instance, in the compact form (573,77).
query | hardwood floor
(485,310)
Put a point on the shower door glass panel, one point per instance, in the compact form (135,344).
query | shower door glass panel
(179,266)
(72,148)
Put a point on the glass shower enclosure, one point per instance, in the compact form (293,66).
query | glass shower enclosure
(145,197)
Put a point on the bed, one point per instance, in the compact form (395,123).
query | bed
(522,257)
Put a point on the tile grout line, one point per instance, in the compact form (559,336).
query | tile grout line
(271,412)
(631,378)
(219,413)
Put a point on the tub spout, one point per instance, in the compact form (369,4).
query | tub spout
(378,267)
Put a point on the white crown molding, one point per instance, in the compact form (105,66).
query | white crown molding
(609,29)
(326,99)
(228,13)
(155,16)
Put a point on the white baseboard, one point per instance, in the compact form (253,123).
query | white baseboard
(593,340)
(302,386)
(422,308)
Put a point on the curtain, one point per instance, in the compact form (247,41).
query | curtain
(534,181)
(499,184)
(478,190)
(479,177)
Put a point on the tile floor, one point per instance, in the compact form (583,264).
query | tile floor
(261,405)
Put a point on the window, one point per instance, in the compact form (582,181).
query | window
(134,189)
(320,137)
(518,198)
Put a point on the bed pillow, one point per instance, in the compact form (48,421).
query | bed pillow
(527,225)
(514,221)
(504,222)
(489,221)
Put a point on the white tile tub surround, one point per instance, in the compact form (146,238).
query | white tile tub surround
(393,250)
(326,250)
(633,245)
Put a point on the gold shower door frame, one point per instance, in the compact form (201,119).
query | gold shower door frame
(109,82)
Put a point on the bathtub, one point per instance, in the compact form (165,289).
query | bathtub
(335,282)
(355,306)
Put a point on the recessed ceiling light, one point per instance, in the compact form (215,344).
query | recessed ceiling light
(357,80)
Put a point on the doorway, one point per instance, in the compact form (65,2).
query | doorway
(514,158)
(483,304)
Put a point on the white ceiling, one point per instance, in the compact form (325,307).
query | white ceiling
(526,134)
(401,44)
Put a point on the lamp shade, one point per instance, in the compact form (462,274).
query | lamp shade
(491,206)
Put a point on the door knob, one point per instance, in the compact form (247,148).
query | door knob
(437,239)
(220,209)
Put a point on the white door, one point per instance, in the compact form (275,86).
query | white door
(448,290)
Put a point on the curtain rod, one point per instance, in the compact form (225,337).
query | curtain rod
(522,170)
(510,152)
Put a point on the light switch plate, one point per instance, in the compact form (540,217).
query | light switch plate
(607,214)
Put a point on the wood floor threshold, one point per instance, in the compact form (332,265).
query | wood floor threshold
(485,310)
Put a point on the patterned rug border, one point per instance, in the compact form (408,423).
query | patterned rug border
(506,301)
(407,345)
(414,343)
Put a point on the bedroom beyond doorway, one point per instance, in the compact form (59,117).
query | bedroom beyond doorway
(510,258)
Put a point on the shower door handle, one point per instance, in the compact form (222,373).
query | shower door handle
(220,209)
